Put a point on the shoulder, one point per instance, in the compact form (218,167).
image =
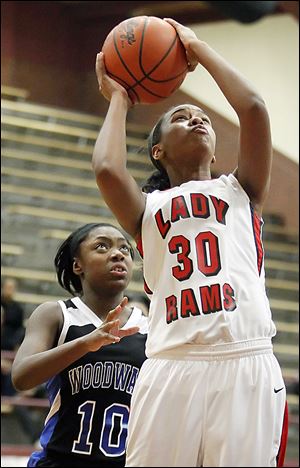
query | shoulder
(49,313)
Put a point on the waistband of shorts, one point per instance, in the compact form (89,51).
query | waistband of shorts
(197,352)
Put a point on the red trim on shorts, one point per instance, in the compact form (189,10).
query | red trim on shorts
(284,435)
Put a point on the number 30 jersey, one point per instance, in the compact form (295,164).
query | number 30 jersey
(90,399)
(204,267)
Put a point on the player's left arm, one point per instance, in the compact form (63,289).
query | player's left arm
(255,153)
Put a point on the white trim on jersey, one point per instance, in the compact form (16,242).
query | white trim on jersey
(82,315)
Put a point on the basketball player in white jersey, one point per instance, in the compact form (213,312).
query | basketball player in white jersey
(211,392)
(88,349)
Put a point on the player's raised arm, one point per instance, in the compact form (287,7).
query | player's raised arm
(119,189)
(255,147)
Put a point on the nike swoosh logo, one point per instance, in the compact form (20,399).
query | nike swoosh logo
(276,390)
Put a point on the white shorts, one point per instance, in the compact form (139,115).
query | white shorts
(194,409)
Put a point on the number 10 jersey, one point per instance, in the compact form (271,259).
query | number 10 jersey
(90,399)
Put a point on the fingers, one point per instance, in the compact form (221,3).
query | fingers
(172,22)
(117,310)
(113,338)
(128,331)
(124,301)
(100,68)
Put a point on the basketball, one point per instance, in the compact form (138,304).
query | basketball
(145,55)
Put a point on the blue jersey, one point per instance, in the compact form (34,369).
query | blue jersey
(90,399)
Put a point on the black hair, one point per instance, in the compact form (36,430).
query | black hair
(64,258)
(159,180)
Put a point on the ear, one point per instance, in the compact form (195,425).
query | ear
(213,160)
(77,267)
(157,151)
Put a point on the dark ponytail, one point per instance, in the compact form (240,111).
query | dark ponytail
(159,180)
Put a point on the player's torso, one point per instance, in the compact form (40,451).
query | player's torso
(203,262)
(91,397)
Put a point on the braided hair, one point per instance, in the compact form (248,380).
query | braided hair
(159,180)
(64,258)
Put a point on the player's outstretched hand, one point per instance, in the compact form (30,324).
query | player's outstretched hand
(108,86)
(186,35)
(109,332)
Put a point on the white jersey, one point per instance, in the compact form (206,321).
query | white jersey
(204,267)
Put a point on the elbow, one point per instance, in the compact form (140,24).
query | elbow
(104,175)
(102,168)
(97,165)
(20,382)
(254,108)
(257,104)
(107,175)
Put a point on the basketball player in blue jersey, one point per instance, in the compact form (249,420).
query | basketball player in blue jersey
(89,350)
(211,392)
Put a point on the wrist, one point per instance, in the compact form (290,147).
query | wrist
(196,46)
(121,98)
(82,345)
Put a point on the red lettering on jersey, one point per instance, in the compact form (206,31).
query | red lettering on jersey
(188,303)
(200,206)
(172,313)
(210,298)
(221,208)
(209,266)
(163,226)
(229,301)
(179,209)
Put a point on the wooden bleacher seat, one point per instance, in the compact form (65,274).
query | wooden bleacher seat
(14,93)
(11,249)
(85,163)
(55,113)
(51,195)
(281,247)
(61,162)
(57,214)
(281,265)
(59,129)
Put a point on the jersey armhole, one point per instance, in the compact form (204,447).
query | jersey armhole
(63,333)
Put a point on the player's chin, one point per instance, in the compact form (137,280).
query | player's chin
(119,282)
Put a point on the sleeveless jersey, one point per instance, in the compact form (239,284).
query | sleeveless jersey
(90,399)
(203,258)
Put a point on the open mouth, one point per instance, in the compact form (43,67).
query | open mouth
(119,271)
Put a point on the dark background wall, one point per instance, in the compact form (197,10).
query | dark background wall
(50,51)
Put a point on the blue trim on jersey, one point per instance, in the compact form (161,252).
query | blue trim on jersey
(52,387)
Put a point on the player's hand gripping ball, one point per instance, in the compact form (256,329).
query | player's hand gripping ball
(145,55)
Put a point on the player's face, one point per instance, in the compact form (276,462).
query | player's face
(105,259)
(187,130)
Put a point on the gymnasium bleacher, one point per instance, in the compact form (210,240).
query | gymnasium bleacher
(49,189)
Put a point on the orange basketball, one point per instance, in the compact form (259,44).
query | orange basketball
(145,55)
